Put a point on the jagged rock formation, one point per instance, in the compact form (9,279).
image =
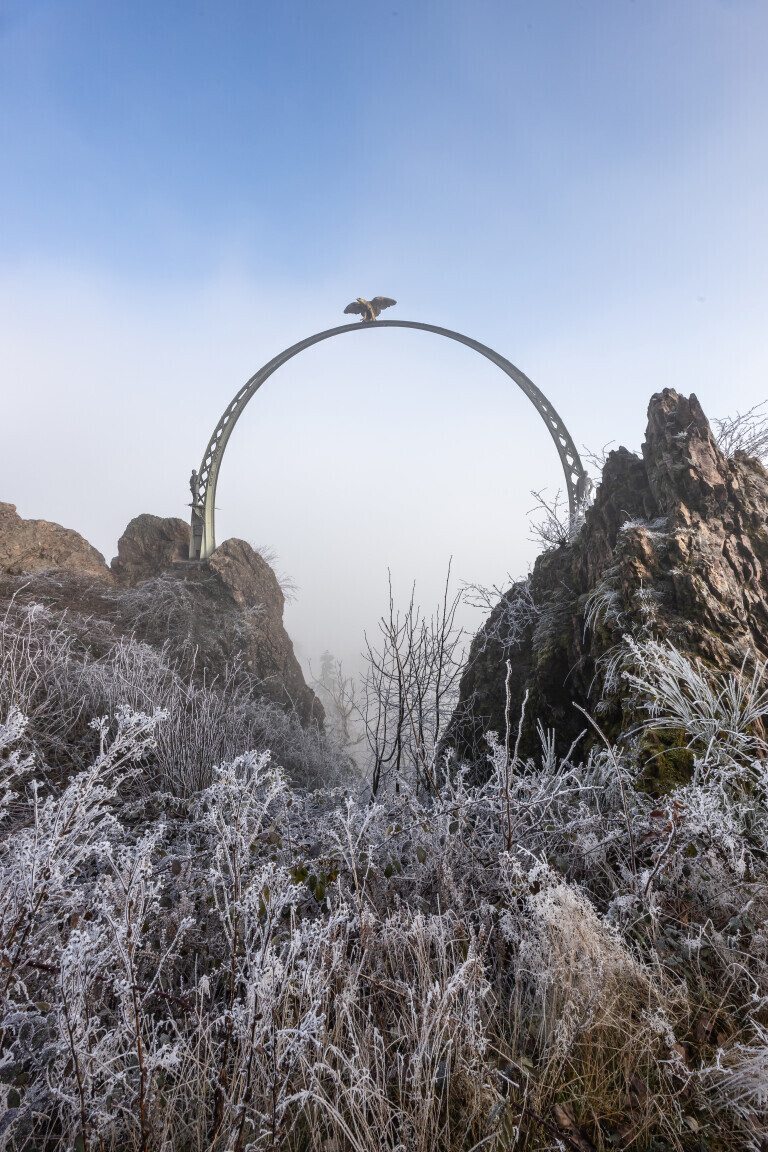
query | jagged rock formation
(228,607)
(36,545)
(210,615)
(676,542)
(150,545)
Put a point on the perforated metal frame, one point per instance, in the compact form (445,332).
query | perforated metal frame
(202,540)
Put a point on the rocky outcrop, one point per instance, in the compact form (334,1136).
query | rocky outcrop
(676,543)
(217,613)
(150,544)
(215,616)
(28,546)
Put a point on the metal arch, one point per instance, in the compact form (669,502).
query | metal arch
(202,539)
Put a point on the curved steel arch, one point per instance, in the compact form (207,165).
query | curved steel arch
(202,540)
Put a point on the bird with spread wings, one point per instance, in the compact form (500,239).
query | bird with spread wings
(369,309)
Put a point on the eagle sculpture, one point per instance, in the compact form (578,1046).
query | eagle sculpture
(369,309)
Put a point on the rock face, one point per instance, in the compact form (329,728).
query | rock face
(217,612)
(214,615)
(150,544)
(37,545)
(676,542)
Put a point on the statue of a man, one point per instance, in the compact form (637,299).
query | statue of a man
(194,485)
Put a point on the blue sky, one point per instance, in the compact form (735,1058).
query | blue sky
(574,140)
(187,187)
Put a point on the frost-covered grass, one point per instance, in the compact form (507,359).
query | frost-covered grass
(61,669)
(201,950)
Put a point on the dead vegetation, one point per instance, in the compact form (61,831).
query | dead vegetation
(203,949)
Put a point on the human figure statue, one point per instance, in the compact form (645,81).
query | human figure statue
(194,485)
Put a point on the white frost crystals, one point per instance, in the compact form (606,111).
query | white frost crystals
(498,964)
(718,711)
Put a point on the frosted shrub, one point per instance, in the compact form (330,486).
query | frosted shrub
(49,866)
(600,1013)
(37,660)
(745,432)
(62,833)
(738,1079)
(54,674)
(724,808)
(410,689)
(719,711)
(196,953)
(553,526)
(510,615)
